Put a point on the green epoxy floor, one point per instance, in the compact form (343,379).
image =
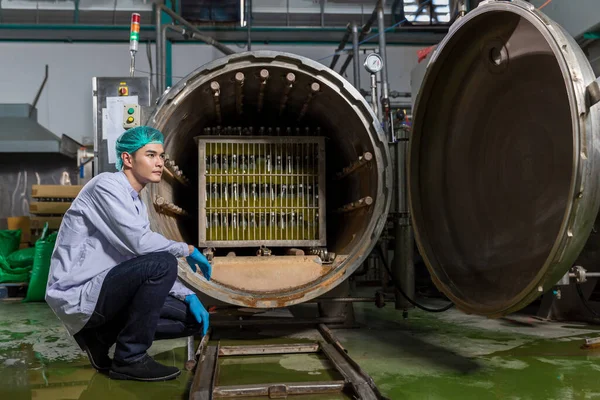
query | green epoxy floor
(427,356)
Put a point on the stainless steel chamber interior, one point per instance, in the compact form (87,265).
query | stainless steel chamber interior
(498,159)
(214,97)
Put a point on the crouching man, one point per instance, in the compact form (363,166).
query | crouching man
(113,280)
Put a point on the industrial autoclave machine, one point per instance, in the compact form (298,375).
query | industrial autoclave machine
(279,168)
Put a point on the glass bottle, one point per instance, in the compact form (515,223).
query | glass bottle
(244,195)
(234,227)
(243,235)
(300,196)
(301,225)
(272,228)
(292,226)
(253,193)
(234,164)
(234,192)
(252,227)
(243,164)
(225,227)
(268,163)
(215,226)
(214,196)
(224,164)
(225,194)
(283,193)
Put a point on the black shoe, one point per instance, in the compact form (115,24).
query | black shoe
(144,370)
(96,351)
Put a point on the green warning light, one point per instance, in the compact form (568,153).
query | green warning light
(130,111)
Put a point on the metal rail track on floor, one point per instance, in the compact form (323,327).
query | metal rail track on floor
(356,383)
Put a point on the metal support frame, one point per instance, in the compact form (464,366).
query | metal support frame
(355,380)
(266,146)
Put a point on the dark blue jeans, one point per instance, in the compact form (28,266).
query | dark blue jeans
(134,307)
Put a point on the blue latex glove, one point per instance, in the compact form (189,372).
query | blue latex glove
(198,258)
(198,311)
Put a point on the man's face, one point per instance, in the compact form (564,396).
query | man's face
(148,162)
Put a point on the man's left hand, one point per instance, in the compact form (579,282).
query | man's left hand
(198,311)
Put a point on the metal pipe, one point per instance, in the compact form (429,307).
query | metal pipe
(290,78)
(355,55)
(401,148)
(374,103)
(287,13)
(360,203)
(264,349)
(347,62)
(163,204)
(216,89)
(278,321)
(362,160)
(313,90)
(239,92)
(159,45)
(385,95)
(279,390)
(403,264)
(163,51)
(163,58)
(39,92)
(191,356)
(199,35)
(343,300)
(322,13)
(249,22)
(363,32)
(132,64)
(264,77)
(341,46)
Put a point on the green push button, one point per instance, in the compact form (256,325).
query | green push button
(130,111)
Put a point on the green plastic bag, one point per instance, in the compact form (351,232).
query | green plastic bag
(9,241)
(21,258)
(10,275)
(41,267)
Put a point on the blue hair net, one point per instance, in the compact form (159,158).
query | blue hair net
(134,139)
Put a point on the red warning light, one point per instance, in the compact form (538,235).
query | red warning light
(135,18)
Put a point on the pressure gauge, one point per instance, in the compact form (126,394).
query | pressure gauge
(374,63)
